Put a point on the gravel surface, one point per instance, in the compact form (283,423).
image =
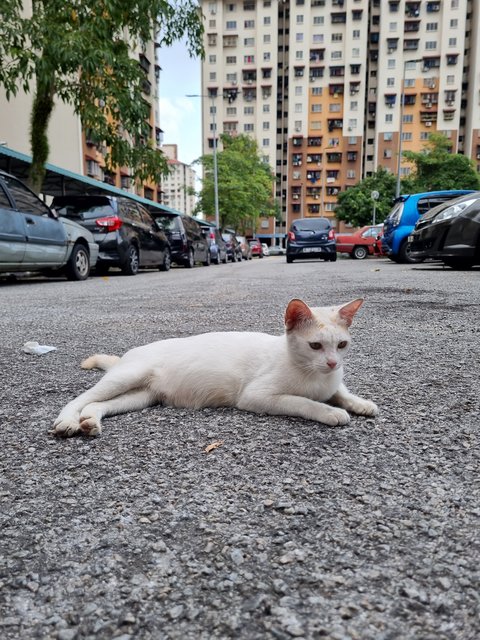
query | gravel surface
(289,529)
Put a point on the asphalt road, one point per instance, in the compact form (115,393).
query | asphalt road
(290,529)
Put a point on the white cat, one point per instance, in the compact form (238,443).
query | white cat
(292,375)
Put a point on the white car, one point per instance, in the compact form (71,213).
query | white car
(265,250)
(34,238)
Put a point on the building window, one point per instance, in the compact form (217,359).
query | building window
(248,127)
(432,26)
(231,24)
(298,90)
(407,119)
(212,59)
(453,24)
(267,20)
(389,117)
(231,111)
(317,108)
(231,59)
(249,24)
(266,108)
(299,37)
(388,137)
(407,135)
(266,142)
(316,91)
(337,37)
(318,20)
(249,59)
(431,44)
(299,19)
(248,111)
(267,38)
(391,63)
(390,82)
(452,42)
(318,38)
(356,34)
(298,107)
(249,42)
(266,126)
(266,56)
(212,76)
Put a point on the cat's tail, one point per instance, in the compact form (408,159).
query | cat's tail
(100,361)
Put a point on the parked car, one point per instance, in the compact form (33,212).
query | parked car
(265,249)
(234,250)
(361,243)
(124,230)
(187,239)
(449,232)
(245,247)
(401,220)
(256,248)
(218,249)
(276,250)
(311,238)
(34,238)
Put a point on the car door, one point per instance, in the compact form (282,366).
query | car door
(13,235)
(154,239)
(46,237)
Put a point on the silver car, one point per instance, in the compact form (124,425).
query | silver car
(34,238)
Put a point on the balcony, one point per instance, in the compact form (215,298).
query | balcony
(411,45)
(337,72)
(317,55)
(334,158)
(411,26)
(314,141)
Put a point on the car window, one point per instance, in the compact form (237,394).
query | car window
(83,208)
(25,199)
(4,201)
(133,213)
(318,224)
(146,217)
(169,223)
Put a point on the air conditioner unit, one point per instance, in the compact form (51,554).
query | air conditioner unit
(428,124)
(295,196)
(428,105)
(450,103)
(312,79)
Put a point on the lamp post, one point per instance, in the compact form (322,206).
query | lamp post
(400,129)
(215,166)
(374,196)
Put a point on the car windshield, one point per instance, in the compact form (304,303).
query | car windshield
(169,223)
(83,211)
(312,225)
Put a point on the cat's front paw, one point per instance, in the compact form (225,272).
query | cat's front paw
(364,408)
(66,426)
(336,417)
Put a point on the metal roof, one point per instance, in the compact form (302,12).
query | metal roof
(60,182)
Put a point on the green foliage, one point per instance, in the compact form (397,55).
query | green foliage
(436,168)
(355,205)
(245,184)
(76,52)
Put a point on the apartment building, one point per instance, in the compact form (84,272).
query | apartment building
(178,187)
(319,84)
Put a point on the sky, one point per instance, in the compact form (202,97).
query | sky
(181,117)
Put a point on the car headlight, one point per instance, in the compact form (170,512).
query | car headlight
(453,211)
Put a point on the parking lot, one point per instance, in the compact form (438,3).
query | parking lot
(290,529)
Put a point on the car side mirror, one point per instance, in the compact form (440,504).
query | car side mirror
(54,213)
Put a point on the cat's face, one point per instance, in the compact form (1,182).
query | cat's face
(318,338)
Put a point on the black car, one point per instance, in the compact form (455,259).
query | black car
(218,248)
(126,233)
(311,238)
(234,249)
(187,239)
(450,233)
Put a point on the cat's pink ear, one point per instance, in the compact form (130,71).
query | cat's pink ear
(296,313)
(347,312)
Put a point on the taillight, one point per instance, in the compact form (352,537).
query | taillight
(110,223)
(291,235)
(212,235)
(331,234)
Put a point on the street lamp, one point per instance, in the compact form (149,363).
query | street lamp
(400,130)
(215,166)
(374,196)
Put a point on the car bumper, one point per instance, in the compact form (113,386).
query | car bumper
(305,251)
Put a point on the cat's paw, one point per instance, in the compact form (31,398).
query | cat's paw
(66,426)
(335,417)
(364,408)
(90,426)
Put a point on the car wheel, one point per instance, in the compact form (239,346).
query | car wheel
(207,260)
(167,261)
(359,253)
(190,261)
(78,267)
(404,255)
(132,263)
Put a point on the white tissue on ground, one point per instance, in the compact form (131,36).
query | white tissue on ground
(37,349)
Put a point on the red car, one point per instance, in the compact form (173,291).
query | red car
(362,243)
(257,249)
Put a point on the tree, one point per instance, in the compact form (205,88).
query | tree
(81,54)
(355,205)
(245,184)
(436,168)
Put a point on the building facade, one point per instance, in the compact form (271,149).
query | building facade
(179,186)
(319,84)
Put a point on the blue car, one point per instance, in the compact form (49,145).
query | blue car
(401,220)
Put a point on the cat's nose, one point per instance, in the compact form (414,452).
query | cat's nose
(332,363)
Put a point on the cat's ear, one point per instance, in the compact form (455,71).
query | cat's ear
(297,312)
(347,311)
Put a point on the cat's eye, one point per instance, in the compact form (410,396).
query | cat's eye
(315,345)
(342,344)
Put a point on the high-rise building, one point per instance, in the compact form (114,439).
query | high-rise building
(178,187)
(319,84)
